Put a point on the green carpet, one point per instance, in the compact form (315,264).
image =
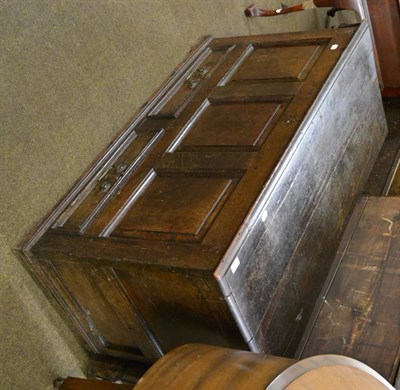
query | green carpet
(72,74)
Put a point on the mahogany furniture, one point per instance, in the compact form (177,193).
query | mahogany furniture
(88,384)
(203,367)
(214,217)
(206,367)
(357,313)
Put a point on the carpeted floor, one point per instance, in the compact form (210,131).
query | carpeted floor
(72,74)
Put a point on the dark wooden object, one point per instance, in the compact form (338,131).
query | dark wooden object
(112,369)
(394,183)
(386,171)
(210,218)
(205,367)
(90,384)
(358,312)
(197,366)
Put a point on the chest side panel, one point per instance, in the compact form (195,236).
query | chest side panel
(285,257)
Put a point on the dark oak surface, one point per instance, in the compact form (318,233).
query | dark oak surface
(359,314)
(386,171)
(135,253)
(89,384)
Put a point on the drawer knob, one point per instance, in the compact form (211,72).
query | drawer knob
(203,70)
(121,167)
(105,186)
(192,83)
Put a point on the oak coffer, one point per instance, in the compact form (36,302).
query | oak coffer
(214,217)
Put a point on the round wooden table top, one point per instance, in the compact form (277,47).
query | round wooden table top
(329,372)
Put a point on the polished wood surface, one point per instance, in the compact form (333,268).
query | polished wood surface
(201,367)
(329,372)
(336,377)
(358,314)
(226,166)
(88,384)
(205,367)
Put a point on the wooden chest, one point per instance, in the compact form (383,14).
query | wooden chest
(215,215)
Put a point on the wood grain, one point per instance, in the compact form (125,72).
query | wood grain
(205,367)
(135,254)
(359,312)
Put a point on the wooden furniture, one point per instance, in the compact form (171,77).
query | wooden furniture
(198,366)
(385,21)
(205,367)
(202,367)
(358,312)
(88,384)
(215,216)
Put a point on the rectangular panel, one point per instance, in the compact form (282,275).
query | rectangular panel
(270,92)
(233,164)
(181,306)
(172,104)
(233,125)
(94,197)
(108,314)
(175,207)
(284,62)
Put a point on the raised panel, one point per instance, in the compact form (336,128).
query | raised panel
(240,125)
(175,207)
(176,305)
(82,210)
(107,312)
(285,62)
(176,99)
(255,92)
